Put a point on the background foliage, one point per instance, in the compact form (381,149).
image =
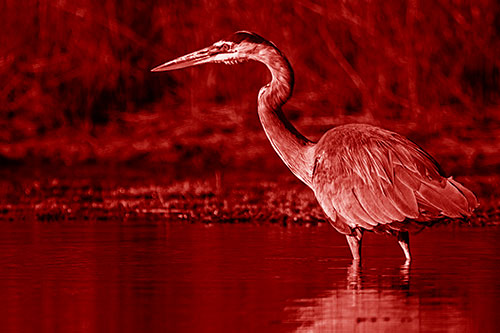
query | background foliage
(75,85)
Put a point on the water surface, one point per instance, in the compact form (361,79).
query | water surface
(131,277)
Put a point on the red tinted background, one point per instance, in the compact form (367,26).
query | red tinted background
(76,87)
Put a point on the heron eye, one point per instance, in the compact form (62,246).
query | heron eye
(224,48)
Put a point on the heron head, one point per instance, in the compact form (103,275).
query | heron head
(239,47)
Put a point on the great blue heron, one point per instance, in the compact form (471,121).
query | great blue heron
(364,177)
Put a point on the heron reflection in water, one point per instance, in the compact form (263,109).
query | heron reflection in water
(364,177)
(374,302)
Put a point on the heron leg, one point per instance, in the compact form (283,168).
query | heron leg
(354,241)
(404,242)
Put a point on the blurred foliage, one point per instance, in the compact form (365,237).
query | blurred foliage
(75,84)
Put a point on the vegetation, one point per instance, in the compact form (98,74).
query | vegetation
(75,90)
(94,195)
(76,85)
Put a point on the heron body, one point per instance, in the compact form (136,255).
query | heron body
(364,177)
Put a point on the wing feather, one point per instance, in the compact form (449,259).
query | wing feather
(447,199)
(470,197)
(378,197)
(403,198)
(378,213)
(369,176)
(348,206)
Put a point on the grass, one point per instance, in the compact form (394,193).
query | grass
(235,197)
(76,87)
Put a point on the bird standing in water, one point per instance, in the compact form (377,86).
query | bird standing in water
(364,177)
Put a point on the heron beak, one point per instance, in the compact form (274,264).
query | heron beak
(196,58)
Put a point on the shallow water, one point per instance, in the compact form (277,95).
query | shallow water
(134,277)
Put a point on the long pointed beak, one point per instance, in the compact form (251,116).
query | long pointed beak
(191,59)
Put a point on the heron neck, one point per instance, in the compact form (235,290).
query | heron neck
(292,147)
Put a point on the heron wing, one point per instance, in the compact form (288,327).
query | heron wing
(378,177)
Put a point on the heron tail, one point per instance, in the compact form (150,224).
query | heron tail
(452,200)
